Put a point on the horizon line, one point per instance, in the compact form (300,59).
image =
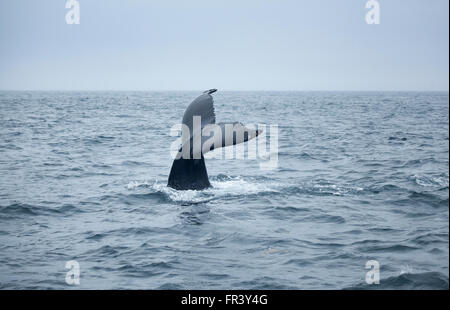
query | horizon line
(224,90)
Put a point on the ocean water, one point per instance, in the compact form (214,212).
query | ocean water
(361,176)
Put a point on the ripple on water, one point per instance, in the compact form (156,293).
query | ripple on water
(410,281)
(23,210)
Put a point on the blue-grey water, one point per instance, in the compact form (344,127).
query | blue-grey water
(361,176)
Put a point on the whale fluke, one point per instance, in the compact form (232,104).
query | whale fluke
(210,91)
(189,174)
(188,169)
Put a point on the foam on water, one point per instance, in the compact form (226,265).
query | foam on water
(223,186)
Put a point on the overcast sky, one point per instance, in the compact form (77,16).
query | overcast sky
(224,44)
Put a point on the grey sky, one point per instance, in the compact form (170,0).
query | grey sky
(224,44)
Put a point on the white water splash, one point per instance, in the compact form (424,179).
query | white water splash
(335,189)
(234,186)
(137,184)
(237,186)
(405,269)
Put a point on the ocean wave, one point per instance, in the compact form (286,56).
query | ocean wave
(440,181)
(23,209)
(409,281)
(416,163)
(420,198)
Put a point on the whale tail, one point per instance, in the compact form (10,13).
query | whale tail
(189,172)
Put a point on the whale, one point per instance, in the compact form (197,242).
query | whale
(200,135)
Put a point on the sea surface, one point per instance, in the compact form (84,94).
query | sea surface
(361,176)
